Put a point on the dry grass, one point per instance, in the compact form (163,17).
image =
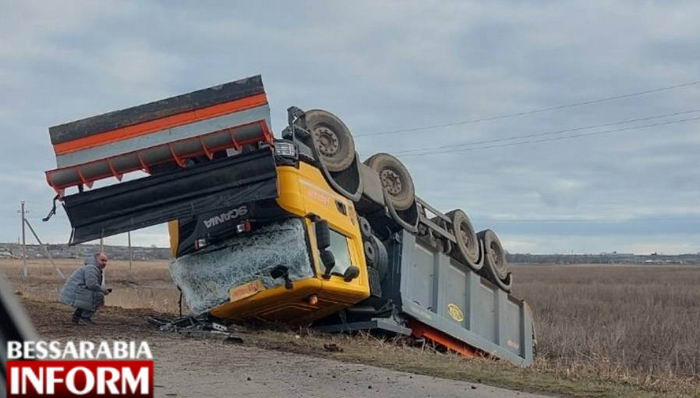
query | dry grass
(602,330)
(117,270)
(618,321)
(50,318)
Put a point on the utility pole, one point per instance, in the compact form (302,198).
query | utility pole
(131,254)
(45,247)
(24,242)
(25,223)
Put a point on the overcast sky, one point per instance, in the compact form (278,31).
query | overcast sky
(386,66)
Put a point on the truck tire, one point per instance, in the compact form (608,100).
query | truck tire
(381,257)
(494,255)
(332,138)
(467,244)
(370,253)
(395,179)
(365,227)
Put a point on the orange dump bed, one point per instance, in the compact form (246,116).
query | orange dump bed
(172,130)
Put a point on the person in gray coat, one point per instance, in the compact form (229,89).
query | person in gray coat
(83,289)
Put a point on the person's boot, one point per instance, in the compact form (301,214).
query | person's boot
(89,321)
(79,321)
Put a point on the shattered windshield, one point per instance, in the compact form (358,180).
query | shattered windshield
(205,277)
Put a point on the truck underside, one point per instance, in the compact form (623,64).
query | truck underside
(295,230)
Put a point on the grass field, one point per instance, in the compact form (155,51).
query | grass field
(601,330)
(621,320)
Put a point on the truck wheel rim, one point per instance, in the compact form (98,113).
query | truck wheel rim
(466,237)
(496,258)
(327,139)
(391,181)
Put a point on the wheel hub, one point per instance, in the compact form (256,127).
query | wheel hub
(391,181)
(496,259)
(466,237)
(327,141)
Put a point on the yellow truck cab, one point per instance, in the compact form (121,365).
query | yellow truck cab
(306,199)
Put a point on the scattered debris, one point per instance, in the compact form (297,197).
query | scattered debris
(192,325)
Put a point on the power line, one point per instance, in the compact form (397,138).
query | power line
(557,138)
(517,137)
(530,112)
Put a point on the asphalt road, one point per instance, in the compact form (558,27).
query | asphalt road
(192,368)
(205,367)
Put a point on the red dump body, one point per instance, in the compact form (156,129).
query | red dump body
(200,123)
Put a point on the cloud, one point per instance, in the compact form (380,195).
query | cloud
(395,65)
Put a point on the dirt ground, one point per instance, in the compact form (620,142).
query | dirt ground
(144,284)
(205,367)
(292,363)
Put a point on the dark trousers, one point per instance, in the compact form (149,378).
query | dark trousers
(82,314)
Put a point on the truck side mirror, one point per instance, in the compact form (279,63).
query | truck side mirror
(323,235)
(351,273)
(328,260)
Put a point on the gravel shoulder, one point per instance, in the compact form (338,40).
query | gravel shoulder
(205,367)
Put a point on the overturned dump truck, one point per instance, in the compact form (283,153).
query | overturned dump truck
(294,229)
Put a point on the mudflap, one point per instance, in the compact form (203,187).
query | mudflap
(214,185)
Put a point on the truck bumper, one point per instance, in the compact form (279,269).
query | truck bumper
(210,186)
